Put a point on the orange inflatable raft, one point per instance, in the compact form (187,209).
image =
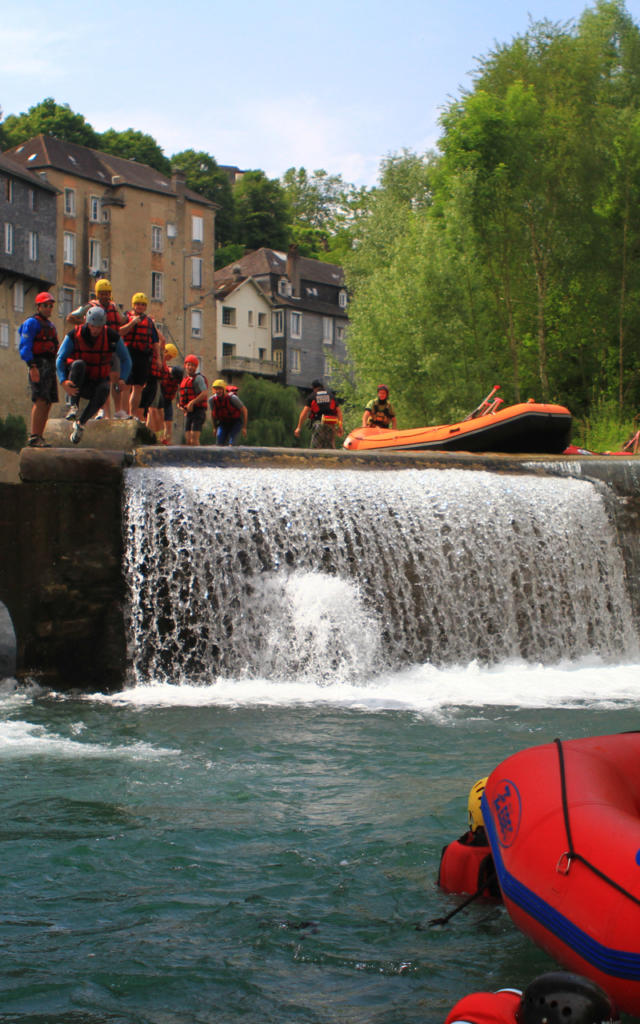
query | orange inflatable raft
(524,428)
(563,823)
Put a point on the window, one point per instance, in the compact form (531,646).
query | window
(262,353)
(94,254)
(340,332)
(197,229)
(156,238)
(294,362)
(250,318)
(277,355)
(9,190)
(327,330)
(227,349)
(18,296)
(196,272)
(8,238)
(94,208)
(157,285)
(4,335)
(33,199)
(67,302)
(278,322)
(32,243)
(296,325)
(262,319)
(229,316)
(196,323)
(70,202)
(342,299)
(284,288)
(69,248)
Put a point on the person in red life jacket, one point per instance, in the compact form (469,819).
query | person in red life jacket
(152,400)
(89,349)
(557,997)
(38,348)
(193,400)
(228,413)
(141,338)
(466,864)
(324,413)
(169,385)
(115,320)
(379,412)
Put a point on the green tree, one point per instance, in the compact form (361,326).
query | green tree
(323,208)
(273,412)
(263,217)
(205,176)
(49,118)
(135,145)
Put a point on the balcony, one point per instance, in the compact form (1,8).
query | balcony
(242,364)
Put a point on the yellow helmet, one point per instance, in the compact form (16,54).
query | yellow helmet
(475,811)
(219,384)
(170,351)
(103,285)
(139,297)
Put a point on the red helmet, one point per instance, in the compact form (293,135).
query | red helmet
(44,297)
(231,389)
(383,387)
(191,359)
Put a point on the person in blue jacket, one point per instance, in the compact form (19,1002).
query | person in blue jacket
(84,365)
(38,347)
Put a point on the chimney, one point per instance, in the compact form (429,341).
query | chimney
(293,269)
(178,181)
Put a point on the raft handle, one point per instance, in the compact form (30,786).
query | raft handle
(563,866)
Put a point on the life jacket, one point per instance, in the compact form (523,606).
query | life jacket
(97,356)
(45,343)
(487,1008)
(466,867)
(140,337)
(223,410)
(169,383)
(323,407)
(380,413)
(188,391)
(111,310)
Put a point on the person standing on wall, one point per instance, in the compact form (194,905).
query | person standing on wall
(38,348)
(141,338)
(379,412)
(325,415)
(193,400)
(115,320)
(169,385)
(88,349)
(228,413)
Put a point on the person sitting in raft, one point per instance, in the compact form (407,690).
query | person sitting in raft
(557,997)
(379,412)
(466,864)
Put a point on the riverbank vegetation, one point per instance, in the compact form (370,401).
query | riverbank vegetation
(510,255)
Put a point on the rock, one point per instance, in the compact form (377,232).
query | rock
(104,435)
(8,648)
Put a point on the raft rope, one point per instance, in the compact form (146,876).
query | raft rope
(571,854)
(485,882)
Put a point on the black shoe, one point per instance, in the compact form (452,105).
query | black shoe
(36,441)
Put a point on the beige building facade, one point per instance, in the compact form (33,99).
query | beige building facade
(141,230)
(244,330)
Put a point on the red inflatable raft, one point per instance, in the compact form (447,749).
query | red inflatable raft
(563,823)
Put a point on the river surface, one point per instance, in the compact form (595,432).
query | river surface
(258,852)
(320,666)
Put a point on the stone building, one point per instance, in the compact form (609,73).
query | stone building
(309,317)
(27,266)
(143,231)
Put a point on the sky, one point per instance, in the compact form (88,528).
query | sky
(333,85)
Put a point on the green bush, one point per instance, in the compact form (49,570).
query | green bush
(605,429)
(13,433)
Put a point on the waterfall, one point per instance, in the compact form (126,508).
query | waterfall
(325,574)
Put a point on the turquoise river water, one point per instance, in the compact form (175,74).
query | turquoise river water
(258,841)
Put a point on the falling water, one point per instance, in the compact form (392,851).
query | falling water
(317,575)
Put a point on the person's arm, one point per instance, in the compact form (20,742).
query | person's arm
(128,326)
(303,416)
(198,383)
(243,409)
(76,316)
(65,353)
(340,427)
(124,359)
(28,331)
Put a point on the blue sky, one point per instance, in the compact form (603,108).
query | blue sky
(333,85)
